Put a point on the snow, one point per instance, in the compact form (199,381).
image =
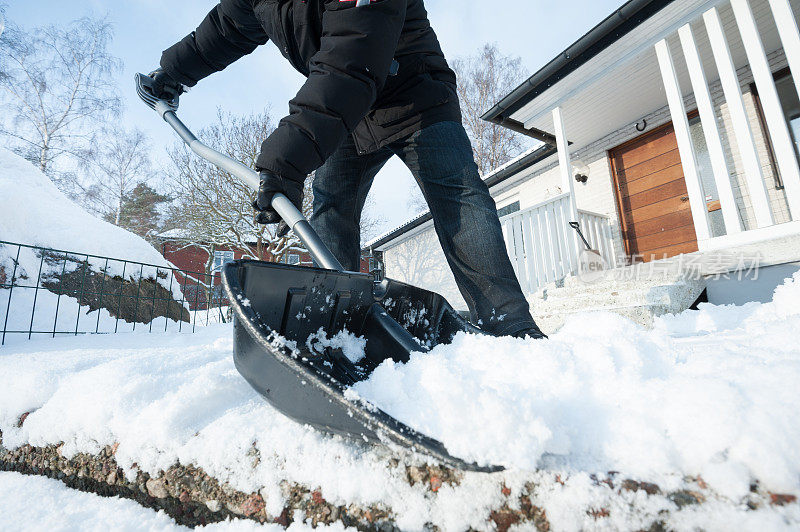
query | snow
(709,393)
(352,346)
(604,394)
(34,212)
(72,317)
(37,503)
(178,398)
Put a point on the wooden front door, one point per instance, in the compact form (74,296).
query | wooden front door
(651,196)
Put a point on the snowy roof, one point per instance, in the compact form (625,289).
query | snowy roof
(406,226)
(525,160)
(180,233)
(176,234)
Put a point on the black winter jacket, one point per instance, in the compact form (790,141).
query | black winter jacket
(348,54)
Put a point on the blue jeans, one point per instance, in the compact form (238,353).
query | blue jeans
(464,216)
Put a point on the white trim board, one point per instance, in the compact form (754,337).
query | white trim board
(754,236)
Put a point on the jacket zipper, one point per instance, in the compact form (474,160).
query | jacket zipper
(290,47)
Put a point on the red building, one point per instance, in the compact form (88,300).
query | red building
(201,285)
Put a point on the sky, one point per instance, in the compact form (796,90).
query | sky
(535,30)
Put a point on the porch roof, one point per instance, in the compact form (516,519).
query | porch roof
(618,24)
(621,82)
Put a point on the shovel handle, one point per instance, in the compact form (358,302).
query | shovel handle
(290,214)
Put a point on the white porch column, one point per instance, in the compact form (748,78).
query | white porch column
(741,126)
(708,119)
(677,110)
(773,112)
(790,38)
(567,183)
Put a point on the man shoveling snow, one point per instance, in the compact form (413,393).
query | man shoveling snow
(377,85)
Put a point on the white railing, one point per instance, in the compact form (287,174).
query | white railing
(753,21)
(543,248)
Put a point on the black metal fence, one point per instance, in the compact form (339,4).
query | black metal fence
(45,291)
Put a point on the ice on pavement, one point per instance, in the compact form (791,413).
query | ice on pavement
(35,503)
(709,393)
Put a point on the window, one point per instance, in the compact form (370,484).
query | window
(787,94)
(706,174)
(508,209)
(221,258)
(293,258)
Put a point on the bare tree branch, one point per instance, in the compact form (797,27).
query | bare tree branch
(56,83)
(483,80)
(212,208)
(119,162)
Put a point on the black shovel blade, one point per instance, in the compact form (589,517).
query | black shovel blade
(278,307)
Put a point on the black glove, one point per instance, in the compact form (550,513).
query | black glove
(272,184)
(164,87)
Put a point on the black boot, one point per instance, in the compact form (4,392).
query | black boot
(532,333)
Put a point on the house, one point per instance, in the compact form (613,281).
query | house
(193,259)
(669,132)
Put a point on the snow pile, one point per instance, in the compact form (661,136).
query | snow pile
(606,395)
(34,212)
(36,503)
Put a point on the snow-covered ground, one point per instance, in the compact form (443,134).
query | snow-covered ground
(706,402)
(31,504)
(711,393)
(64,315)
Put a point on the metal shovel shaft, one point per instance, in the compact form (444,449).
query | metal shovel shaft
(293,217)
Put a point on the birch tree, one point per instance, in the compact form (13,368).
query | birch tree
(56,84)
(483,80)
(119,163)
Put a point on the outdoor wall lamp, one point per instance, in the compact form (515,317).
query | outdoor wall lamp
(581,171)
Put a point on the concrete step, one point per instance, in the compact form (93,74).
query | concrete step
(640,299)
(618,297)
(550,323)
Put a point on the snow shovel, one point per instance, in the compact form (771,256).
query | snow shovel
(591,263)
(285,316)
